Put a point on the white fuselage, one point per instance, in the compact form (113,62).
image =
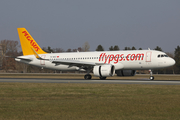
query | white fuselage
(131,60)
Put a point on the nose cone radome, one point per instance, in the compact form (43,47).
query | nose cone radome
(171,62)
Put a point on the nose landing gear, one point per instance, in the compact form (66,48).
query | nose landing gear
(151,77)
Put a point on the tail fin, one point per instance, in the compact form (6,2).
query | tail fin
(27,43)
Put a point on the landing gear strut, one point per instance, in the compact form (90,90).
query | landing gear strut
(151,77)
(87,77)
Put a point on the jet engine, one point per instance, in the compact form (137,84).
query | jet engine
(104,70)
(126,72)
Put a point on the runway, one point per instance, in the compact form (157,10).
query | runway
(47,80)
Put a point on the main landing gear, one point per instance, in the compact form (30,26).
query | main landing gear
(87,77)
(151,77)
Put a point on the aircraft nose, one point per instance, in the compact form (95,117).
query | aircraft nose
(172,62)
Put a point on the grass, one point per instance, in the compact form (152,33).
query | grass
(29,101)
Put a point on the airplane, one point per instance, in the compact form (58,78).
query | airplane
(102,63)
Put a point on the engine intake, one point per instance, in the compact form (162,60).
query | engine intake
(104,70)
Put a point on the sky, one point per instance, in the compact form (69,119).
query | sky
(70,23)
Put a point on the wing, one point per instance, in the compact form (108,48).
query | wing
(75,63)
(68,62)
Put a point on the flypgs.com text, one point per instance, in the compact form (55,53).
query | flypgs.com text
(120,57)
(35,46)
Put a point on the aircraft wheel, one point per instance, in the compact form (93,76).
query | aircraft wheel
(102,78)
(151,77)
(87,76)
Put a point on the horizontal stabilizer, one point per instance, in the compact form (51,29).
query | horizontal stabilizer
(25,58)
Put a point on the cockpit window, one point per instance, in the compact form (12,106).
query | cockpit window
(165,55)
(162,55)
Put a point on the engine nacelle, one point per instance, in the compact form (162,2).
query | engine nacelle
(104,70)
(126,72)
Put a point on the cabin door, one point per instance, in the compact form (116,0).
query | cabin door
(148,56)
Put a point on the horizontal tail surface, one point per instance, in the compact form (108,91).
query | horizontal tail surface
(27,43)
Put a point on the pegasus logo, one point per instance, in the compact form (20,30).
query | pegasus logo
(31,41)
(120,57)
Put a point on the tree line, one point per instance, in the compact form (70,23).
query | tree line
(9,50)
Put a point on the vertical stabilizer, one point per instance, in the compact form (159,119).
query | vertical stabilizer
(27,43)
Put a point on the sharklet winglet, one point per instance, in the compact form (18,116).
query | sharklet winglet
(37,56)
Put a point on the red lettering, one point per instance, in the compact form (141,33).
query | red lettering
(25,33)
(31,41)
(116,58)
(36,48)
(121,56)
(101,56)
(111,57)
(139,56)
(106,57)
(132,57)
(33,44)
(28,37)
(127,57)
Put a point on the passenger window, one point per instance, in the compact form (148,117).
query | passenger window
(158,56)
(162,55)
